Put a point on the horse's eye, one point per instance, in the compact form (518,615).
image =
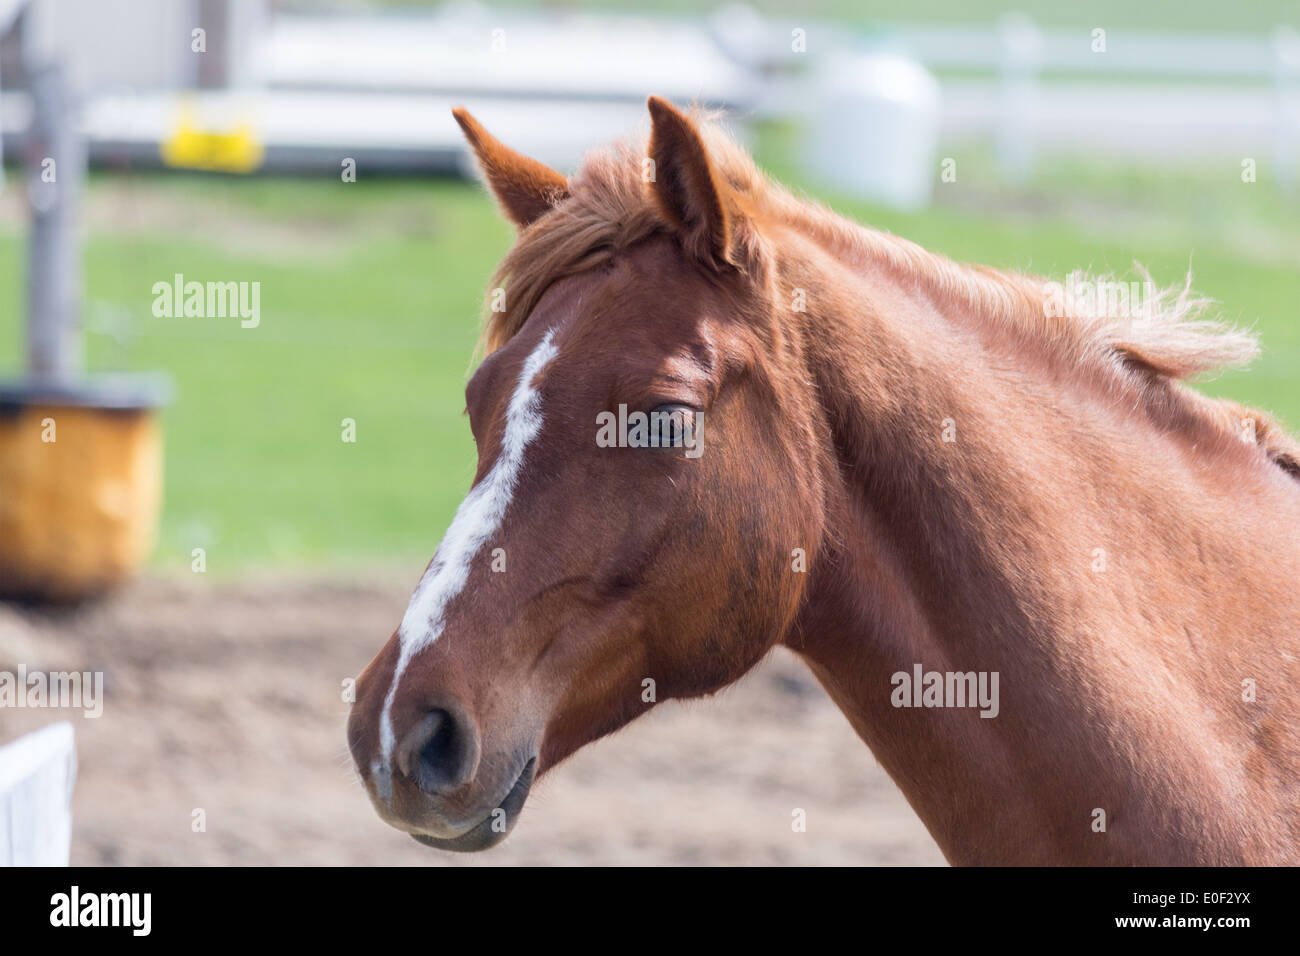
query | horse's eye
(672,426)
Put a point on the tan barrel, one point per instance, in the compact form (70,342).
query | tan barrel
(80,494)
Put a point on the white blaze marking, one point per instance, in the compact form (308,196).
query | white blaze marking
(477,519)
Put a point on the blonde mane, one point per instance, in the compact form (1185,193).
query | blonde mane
(608,209)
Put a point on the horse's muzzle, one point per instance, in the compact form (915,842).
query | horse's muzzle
(496,825)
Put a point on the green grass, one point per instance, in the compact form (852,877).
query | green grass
(376,325)
(371,297)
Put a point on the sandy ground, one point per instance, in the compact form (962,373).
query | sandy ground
(227,698)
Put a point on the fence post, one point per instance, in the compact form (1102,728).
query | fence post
(37,774)
(56,166)
(1286,85)
(1021,47)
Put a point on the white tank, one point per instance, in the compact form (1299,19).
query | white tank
(875,128)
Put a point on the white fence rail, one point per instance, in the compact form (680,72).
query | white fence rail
(552,84)
(1020,53)
(1208,56)
(1029,64)
(37,773)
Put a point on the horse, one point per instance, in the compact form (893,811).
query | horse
(930,481)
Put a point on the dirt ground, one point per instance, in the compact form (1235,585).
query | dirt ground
(227,697)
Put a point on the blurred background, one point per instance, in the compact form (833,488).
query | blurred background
(308,147)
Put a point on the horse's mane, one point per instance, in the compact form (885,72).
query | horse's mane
(608,208)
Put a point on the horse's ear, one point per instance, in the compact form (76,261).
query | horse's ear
(683,183)
(524,187)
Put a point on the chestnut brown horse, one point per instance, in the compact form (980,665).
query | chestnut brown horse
(932,482)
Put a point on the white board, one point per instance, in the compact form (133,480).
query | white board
(37,773)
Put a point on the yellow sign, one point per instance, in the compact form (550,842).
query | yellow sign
(227,151)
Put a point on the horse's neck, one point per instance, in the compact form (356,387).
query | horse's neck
(974,529)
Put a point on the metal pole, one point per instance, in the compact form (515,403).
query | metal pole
(56,158)
(10,10)
(3,27)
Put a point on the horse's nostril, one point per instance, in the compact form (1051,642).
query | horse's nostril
(441,748)
(439,753)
